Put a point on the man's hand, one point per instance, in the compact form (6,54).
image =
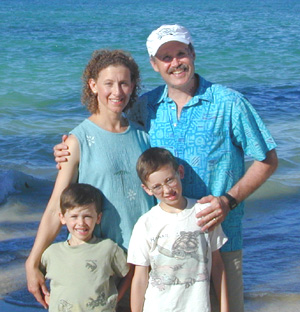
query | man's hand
(213,215)
(36,285)
(61,152)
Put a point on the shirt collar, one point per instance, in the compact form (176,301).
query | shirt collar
(203,93)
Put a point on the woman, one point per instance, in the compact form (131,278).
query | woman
(104,149)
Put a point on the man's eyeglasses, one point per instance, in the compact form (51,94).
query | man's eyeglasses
(158,189)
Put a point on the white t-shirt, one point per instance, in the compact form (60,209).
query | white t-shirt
(179,255)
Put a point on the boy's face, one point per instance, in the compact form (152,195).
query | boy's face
(165,185)
(80,222)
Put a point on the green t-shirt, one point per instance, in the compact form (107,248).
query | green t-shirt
(82,277)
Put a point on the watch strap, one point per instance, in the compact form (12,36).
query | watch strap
(232,201)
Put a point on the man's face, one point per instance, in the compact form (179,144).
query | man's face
(175,62)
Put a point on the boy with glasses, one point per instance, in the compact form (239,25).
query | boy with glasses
(168,241)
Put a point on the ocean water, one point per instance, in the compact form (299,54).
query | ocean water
(251,46)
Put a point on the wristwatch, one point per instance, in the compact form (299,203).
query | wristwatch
(232,201)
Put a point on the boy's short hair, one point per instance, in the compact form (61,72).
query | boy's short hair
(80,194)
(152,160)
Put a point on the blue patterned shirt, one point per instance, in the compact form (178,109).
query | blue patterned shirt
(217,127)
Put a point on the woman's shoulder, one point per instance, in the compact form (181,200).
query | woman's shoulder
(85,124)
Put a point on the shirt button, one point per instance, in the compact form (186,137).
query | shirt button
(175,124)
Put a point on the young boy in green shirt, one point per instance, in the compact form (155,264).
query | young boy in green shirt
(82,270)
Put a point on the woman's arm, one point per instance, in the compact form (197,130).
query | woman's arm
(219,280)
(50,223)
(138,288)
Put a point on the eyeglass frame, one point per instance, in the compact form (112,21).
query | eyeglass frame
(170,184)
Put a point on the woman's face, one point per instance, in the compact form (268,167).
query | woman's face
(113,88)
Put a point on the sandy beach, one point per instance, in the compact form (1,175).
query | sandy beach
(291,305)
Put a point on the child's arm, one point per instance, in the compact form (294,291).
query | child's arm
(219,280)
(125,282)
(138,288)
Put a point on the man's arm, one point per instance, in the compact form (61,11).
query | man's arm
(138,288)
(254,177)
(61,152)
(50,225)
(219,281)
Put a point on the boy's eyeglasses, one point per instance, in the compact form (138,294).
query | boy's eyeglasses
(158,189)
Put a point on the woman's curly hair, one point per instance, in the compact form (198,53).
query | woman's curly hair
(101,59)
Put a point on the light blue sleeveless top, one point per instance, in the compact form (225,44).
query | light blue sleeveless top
(107,161)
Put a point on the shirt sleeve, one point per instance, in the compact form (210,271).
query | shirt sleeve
(43,263)
(217,238)
(119,263)
(139,246)
(249,131)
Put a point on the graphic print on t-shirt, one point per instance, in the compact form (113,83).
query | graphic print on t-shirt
(181,261)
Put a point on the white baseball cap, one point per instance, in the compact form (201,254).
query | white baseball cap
(166,33)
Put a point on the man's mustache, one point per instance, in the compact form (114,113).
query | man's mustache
(180,67)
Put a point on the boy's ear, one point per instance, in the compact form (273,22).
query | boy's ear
(99,218)
(62,218)
(148,191)
(181,171)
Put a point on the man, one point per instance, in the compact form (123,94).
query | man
(208,128)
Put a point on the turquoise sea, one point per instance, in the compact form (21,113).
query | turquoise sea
(252,46)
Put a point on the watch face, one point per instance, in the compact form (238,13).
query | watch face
(232,201)
(233,204)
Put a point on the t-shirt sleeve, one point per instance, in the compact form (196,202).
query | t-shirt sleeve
(217,238)
(139,247)
(43,263)
(45,259)
(119,263)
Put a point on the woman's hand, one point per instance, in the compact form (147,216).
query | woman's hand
(36,284)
